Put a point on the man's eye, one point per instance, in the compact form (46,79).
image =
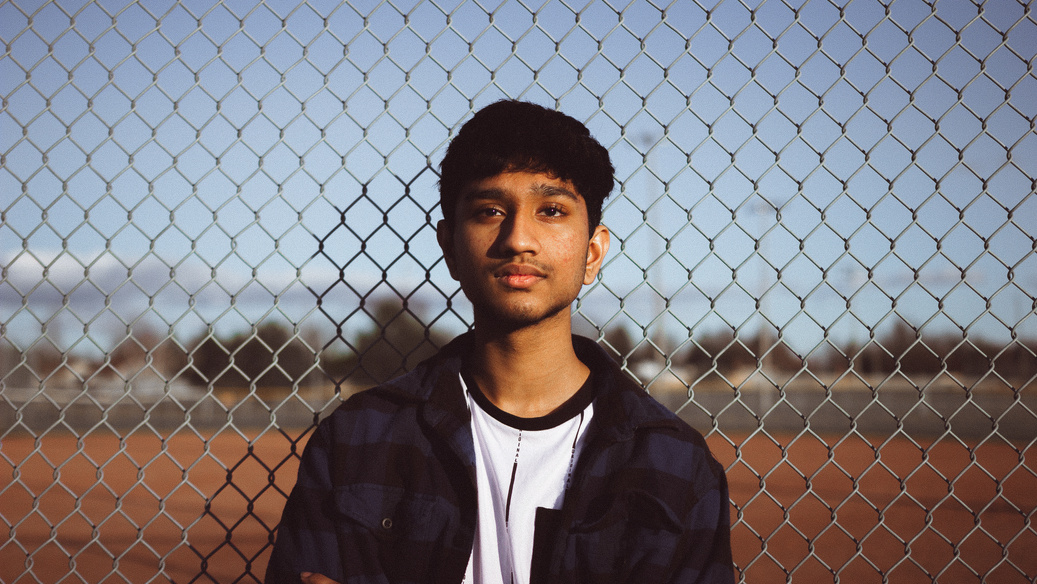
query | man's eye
(489,212)
(553,211)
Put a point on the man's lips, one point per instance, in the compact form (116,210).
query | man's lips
(519,270)
(519,275)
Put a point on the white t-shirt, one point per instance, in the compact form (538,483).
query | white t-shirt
(520,464)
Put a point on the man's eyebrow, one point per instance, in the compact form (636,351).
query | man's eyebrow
(547,190)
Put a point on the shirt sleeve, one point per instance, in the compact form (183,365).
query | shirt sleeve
(306,537)
(706,554)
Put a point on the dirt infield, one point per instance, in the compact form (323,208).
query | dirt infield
(195,508)
(864,508)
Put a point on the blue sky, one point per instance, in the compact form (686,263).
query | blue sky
(172,166)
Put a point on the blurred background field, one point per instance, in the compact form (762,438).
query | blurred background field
(902,463)
(138,508)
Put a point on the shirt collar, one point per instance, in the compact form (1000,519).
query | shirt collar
(621,405)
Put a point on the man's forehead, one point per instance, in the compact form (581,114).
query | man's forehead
(536,185)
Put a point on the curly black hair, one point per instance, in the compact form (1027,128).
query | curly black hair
(513,136)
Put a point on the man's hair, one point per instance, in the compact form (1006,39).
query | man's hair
(517,136)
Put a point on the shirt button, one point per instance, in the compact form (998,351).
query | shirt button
(387,523)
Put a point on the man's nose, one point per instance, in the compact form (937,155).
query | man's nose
(518,235)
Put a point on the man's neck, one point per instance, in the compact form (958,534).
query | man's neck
(528,372)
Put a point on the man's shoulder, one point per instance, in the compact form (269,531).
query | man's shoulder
(401,396)
(657,439)
(418,383)
(627,404)
(667,433)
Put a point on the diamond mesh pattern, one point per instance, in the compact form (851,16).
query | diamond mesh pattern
(217,219)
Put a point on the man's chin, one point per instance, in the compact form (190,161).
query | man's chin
(510,318)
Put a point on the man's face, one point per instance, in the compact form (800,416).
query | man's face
(520,247)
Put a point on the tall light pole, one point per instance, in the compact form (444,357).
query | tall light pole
(647,139)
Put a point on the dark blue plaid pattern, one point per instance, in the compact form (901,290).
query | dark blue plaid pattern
(386,490)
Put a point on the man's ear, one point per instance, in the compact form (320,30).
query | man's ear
(445,237)
(597,248)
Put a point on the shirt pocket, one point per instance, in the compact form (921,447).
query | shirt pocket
(387,512)
(635,539)
(385,531)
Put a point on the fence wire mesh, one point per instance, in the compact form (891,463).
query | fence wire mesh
(217,218)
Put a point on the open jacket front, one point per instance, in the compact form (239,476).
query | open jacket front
(386,490)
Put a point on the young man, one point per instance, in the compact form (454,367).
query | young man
(519,453)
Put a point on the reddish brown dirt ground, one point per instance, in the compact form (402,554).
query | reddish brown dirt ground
(198,508)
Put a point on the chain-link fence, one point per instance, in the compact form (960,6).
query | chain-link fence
(218,217)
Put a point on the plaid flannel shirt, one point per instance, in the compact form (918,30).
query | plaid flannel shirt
(386,490)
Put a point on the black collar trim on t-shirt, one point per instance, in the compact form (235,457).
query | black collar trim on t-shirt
(565,412)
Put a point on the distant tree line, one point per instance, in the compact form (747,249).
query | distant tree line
(901,349)
(273,356)
(395,343)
